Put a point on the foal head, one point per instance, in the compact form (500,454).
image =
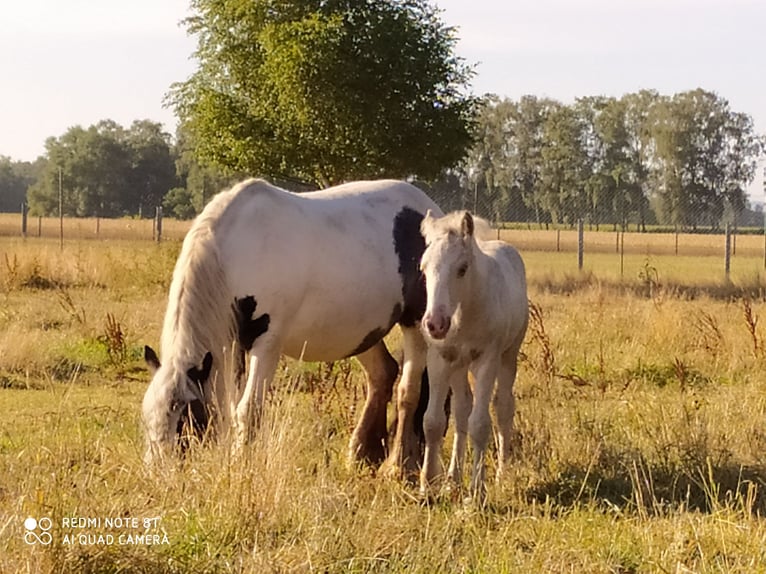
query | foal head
(446,265)
(174,405)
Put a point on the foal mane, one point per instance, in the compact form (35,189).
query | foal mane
(199,316)
(451,224)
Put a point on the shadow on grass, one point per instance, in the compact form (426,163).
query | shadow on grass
(703,487)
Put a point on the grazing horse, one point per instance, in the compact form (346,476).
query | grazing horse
(476,318)
(319,276)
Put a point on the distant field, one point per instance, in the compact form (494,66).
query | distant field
(683,259)
(604,241)
(91,228)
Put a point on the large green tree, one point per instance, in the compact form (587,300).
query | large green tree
(326,90)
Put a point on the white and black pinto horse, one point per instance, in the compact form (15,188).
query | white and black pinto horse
(476,318)
(318,276)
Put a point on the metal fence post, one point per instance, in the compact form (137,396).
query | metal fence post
(24,212)
(159,223)
(580,241)
(727,252)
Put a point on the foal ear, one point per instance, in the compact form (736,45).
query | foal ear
(426,223)
(152,361)
(466,226)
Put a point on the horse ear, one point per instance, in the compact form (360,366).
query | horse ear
(466,226)
(207,364)
(152,361)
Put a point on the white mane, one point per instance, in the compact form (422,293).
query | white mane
(199,316)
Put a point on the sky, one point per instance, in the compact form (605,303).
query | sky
(76,62)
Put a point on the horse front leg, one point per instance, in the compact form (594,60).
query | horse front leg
(249,409)
(368,441)
(405,456)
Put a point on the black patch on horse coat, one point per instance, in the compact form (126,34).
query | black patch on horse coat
(409,245)
(249,329)
(372,338)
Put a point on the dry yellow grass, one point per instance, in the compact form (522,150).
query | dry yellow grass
(640,417)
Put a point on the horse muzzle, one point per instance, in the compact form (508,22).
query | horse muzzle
(436,325)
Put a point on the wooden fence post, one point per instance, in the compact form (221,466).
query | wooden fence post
(580,243)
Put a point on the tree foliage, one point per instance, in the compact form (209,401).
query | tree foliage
(15,178)
(683,160)
(325,90)
(105,170)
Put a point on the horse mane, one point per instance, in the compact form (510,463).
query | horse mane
(199,316)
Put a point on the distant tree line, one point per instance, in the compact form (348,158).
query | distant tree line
(107,170)
(683,160)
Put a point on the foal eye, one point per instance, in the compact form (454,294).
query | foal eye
(462,269)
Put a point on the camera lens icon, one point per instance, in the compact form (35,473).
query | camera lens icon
(37,531)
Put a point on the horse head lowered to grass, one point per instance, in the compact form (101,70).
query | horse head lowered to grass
(319,276)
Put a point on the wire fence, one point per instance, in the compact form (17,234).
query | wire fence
(552,253)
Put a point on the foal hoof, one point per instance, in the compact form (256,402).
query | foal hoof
(397,469)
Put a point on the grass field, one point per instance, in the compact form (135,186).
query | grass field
(641,432)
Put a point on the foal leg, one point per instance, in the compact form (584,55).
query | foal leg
(505,408)
(441,375)
(405,456)
(480,423)
(368,442)
(463,403)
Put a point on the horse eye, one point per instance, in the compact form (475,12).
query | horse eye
(462,270)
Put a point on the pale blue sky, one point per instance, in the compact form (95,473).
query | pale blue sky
(70,62)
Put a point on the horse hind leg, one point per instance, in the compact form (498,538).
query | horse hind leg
(368,441)
(406,455)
